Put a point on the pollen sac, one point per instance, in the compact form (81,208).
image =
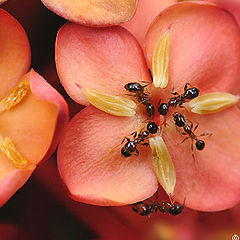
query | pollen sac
(14,97)
(8,148)
(162,164)
(212,102)
(160,61)
(112,104)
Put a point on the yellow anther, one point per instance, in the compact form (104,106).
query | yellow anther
(15,96)
(8,148)
(162,164)
(212,102)
(112,104)
(160,61)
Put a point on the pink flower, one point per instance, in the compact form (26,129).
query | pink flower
(205,52)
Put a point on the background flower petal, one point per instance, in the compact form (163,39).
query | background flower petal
(91,165)
(15,53)
(101,58)
(94,13)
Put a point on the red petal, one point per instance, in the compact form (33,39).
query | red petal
(14,54)
(204,46)
(94,13)
(91,164)
(101,58)
(212,184)
(146,12)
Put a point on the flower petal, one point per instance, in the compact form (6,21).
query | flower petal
(30,126)
(211,182)
(91,165)
(14,52)
(146,12)
(94,13)
(101,58)
(204,46)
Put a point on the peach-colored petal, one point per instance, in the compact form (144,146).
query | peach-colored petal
(91,164)
(94,13)
(146,12)
(42,90)
(212,183)
(34,126)
(101,58)
(204,46)
(14,52)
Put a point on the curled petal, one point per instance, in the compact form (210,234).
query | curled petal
(212,102)
(162,164)
(28,133)
(114,105)
(160,61)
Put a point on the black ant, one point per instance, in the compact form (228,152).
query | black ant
(141,96)
(131,146)
(179,100)
(180,121)
(146,209)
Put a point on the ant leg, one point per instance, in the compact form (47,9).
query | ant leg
(134,134)
(137,153)
(195,127)
(184,140)
(150,74)
(128,140)
(186,85)
(206,134)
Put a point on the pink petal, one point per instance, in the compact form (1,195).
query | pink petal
(204,46)
(91,164)
(101,58)
(212,183)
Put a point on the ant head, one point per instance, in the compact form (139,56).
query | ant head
(163,109)
(191,93)
(175,210)
(125,153)
(200,144)
(152,127)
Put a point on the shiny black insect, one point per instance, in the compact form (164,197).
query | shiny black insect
(178,100)
(171,208)
(180,121)
(141,96)
(146,209)
(131,146)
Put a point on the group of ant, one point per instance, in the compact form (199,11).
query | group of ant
(144,97)
(147,207)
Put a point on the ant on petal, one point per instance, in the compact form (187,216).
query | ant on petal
(131,146)
(141,96)
(178,100)
(180,121)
